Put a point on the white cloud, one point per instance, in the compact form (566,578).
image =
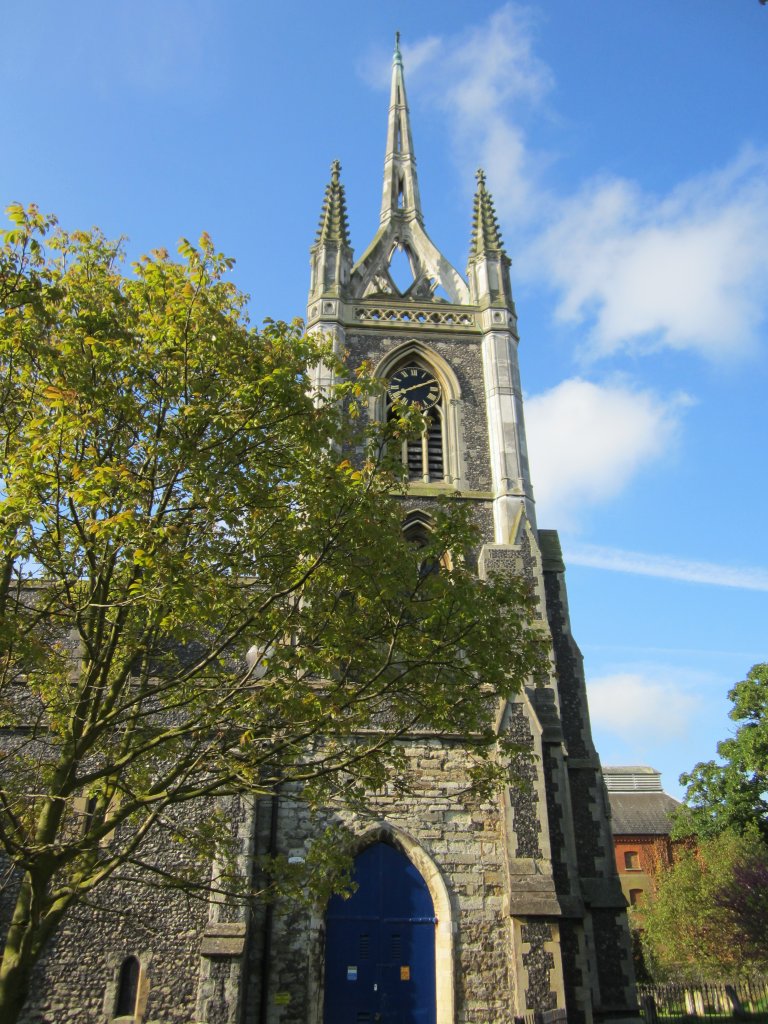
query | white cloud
(637,271)
(632,705)
(687,271)
(587,441)
(473,78)
(420,54)
(667,567)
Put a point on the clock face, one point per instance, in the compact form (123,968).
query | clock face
(414,384)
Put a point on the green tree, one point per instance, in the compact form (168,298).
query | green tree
(733,793)
(697,924)
(200,595)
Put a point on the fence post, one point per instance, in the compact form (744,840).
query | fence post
(648,1006)
(736,1005)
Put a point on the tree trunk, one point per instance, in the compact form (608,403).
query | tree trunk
(14,986)
(24,942)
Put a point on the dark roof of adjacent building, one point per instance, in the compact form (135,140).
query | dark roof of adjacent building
(639,806)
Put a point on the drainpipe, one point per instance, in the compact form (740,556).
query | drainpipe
(266,946)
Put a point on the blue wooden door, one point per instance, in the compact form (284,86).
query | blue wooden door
(380,945)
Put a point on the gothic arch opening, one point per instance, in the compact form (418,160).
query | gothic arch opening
(401,263)
(389,946)
(127,988)
(415,373)
(417,530)
(417,527)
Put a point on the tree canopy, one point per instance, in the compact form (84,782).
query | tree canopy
(733,793)
(204,585)
(708,914)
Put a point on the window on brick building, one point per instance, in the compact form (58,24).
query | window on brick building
(636,896)
(632,860)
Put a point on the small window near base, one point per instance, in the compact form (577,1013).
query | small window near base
(127,988)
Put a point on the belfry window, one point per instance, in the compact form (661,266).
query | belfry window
(423,456)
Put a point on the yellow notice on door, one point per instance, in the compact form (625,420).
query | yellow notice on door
(405,973)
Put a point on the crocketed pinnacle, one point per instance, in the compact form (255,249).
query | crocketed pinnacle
(333,225)
(486,235)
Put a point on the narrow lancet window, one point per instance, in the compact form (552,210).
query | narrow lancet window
(127,988)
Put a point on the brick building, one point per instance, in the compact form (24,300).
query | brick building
(641,825)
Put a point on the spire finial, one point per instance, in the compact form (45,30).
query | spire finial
(335,172)
(397,57)
(480,175)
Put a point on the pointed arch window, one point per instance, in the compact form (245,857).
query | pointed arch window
(417,530)
(423,375)
(416,384)
(127,988)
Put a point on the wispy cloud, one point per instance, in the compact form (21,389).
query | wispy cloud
(427,52)
(494,68)
(475,79)
(587,441)
(596,556)
(636,271)
(683,271)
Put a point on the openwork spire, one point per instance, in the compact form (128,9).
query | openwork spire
(333,225)
(400,198)
(401,234)
(486,234)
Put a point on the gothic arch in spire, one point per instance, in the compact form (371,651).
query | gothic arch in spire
(401,223)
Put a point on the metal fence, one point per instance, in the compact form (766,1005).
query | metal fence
(741,1000)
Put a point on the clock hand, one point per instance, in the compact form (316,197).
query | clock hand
(421,384)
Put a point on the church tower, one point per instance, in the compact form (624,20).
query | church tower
(524,906)
(469,908)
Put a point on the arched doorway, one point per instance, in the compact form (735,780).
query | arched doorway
(380,945)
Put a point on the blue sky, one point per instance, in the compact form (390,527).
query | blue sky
(626,146)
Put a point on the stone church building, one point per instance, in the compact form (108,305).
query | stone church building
(468,909)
